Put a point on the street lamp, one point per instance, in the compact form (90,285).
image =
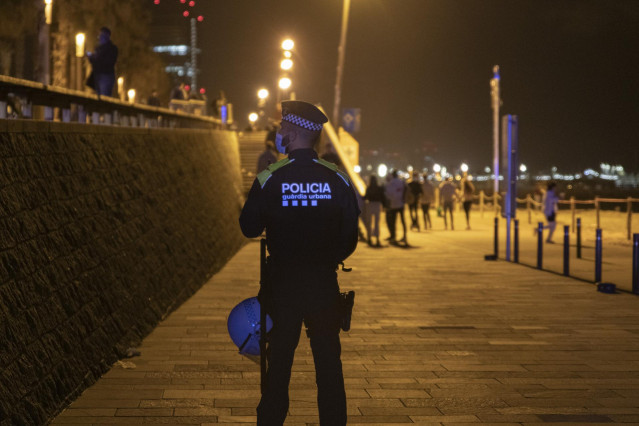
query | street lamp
(262,94)
(79,53)
(48,11)
(288,44)
(131,94)
(286,64)
(121,88)
(285,83)
(464,167)
(340,62)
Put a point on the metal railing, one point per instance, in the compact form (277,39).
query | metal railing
(31,100)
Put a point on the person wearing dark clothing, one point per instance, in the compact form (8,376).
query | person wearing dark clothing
(267,157)
(428,196)
(153,100)
(103,63)
(179,93)
(309,210)
(415,189)
(468,193)
(375,199)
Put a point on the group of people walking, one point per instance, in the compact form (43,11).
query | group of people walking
(419,193)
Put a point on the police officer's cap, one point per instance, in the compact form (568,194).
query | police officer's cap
(303,114)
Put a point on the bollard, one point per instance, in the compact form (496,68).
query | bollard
(635,264)
(578,238)
(598,255)
(540,244)
(516,241)
(496,237)
(567,250)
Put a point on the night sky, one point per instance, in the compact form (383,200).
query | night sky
(420,71)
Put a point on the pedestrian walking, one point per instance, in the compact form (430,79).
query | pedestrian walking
(468,194)
(309,210)
(374,200)
(103,59)
(179,92)
(268,156)
(428,196)
(415,191)
(550,210)
(395,191)
(448,195)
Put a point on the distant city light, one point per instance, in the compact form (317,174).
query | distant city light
(191,3)
(486,169)
(200,18)
(287,54)
(288,44)
(464,167)
(253,117)
(409,168)
(382,170)
(357,169)
(175,50)
(156,1)
(262,93)
(186,13)
(523,168)
(182,1)
(437,168)
(202,91)
(187,88)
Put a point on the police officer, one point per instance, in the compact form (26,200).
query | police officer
(309,210)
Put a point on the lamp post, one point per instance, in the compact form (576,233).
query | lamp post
(340,62)
(121,88)
(286,65)
(44,36)
(496,103)
(79,54)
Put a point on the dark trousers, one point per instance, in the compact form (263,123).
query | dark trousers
(323,322)
(426,213)
(448,207)
(104,84)
(414,215)
(393,213)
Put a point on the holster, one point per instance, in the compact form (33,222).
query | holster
(346,302)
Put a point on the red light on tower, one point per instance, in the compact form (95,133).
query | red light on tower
(200,18)
(182,1)
(156,1)
(186,14)
(187,88)
(202,90)
(191,3)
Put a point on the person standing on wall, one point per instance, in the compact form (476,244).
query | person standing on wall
(103,61)
(309,210)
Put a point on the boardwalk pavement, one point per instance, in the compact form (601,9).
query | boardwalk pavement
(439,336)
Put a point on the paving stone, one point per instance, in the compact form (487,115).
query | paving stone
(435,340)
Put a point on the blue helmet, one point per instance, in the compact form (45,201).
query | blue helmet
(244,326)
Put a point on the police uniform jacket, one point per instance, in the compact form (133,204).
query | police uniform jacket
(309,210)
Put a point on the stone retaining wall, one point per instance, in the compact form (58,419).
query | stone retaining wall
(103,231)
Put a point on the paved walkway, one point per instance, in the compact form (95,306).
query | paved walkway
(439,336)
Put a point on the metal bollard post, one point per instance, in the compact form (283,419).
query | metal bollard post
(635,264)
(496,237)
(540,244)
(578,238)
(598,256)
(516,241)
(567,250)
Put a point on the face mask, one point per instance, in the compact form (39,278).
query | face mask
(280,143)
